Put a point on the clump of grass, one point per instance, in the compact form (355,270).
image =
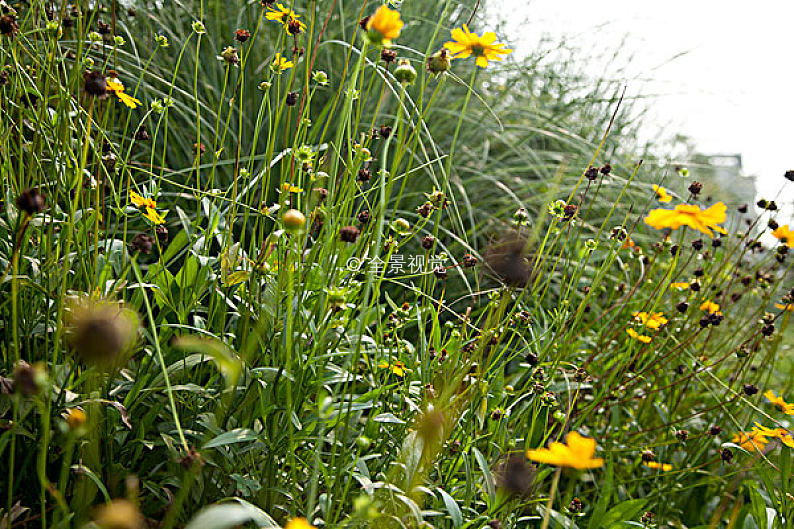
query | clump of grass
(314,264)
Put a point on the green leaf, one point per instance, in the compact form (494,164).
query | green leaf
(238,435)
(623,512)
(452,508)
(232,514)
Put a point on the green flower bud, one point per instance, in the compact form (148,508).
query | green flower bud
(405,73)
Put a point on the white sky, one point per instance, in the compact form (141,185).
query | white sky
(733,90)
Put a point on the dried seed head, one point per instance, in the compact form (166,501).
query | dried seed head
(31,201)
(142,243)
(388,55)
(101,332)
(428,241)
(749,389)
(95,84)
(714,430)
(695,188)
(291,99)
(162,234)
(591,173)
(469,261)
(349,234)
(606,169)
(142,134)
(363,216)
(242,35)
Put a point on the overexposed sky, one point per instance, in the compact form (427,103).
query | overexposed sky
(732,90)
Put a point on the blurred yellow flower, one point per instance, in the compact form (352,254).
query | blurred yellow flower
(680,286)
(653,321)
(689,215)
(117,88)
(289,188)
(785,234)
(710,307)
(385,25)
(485,48)
(299,523)
(397,368)
(784,406)
(280,63)
(789,307)
(750,441)
(664,467)
(661,194)
(637,336)
(577,452)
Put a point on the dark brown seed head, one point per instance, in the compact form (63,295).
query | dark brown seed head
(24,379)
(789,175)
(388,55)
(364,174)
(695,188)
(142,243)
(682,307)
(162,234)
(648,456)
(291,99)
(428,241)
(95,84)
(242,35)
(749,389)
(508,259)
(726,455)
(142,134)
(31,201)
(469,261)
(440,272)
(8,25)
(682,435)
(294,28)
(714,430)
(384,131)
(606,169)
(349,234)
(591,173)
(363,216)
(364,22)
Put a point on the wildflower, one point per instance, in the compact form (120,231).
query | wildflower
(397,368)
(784,406)
(577,452)
(75,418)
(31,201)
(485,48)
(785,235)
(119,514)
(710,307)
(664,467)
(388,56)
(280,64)
(242,35)
(289,188)
(789,307)
(320,77)
(637,336)
(384,26)
(750,441)
(680,286)
(198,27)
(689,215)
(428,241)
(149,207)
(653,321)
(298,523)
(115,86)
(101,331)
(661,194)
(764,431)
(284,15)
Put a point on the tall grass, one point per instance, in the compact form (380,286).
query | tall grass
(370,294)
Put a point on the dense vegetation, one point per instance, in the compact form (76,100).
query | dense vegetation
(335,265)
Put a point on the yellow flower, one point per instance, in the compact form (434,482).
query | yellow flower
(485,48)
(280,63)
(680,286)
(750,441)
(75,418)
(661,194)
(577,452)
(784,406)
(763,431)
(286,16)
(637,336)
(787,440)
(785,234)
(628,243)
(689,215)
(397,368)
(664,467)
(142,202)
(653,321)
(117,88)
(710,307)
(289,188)
(299,523)
(789,307)
(384,26)
(153,216)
